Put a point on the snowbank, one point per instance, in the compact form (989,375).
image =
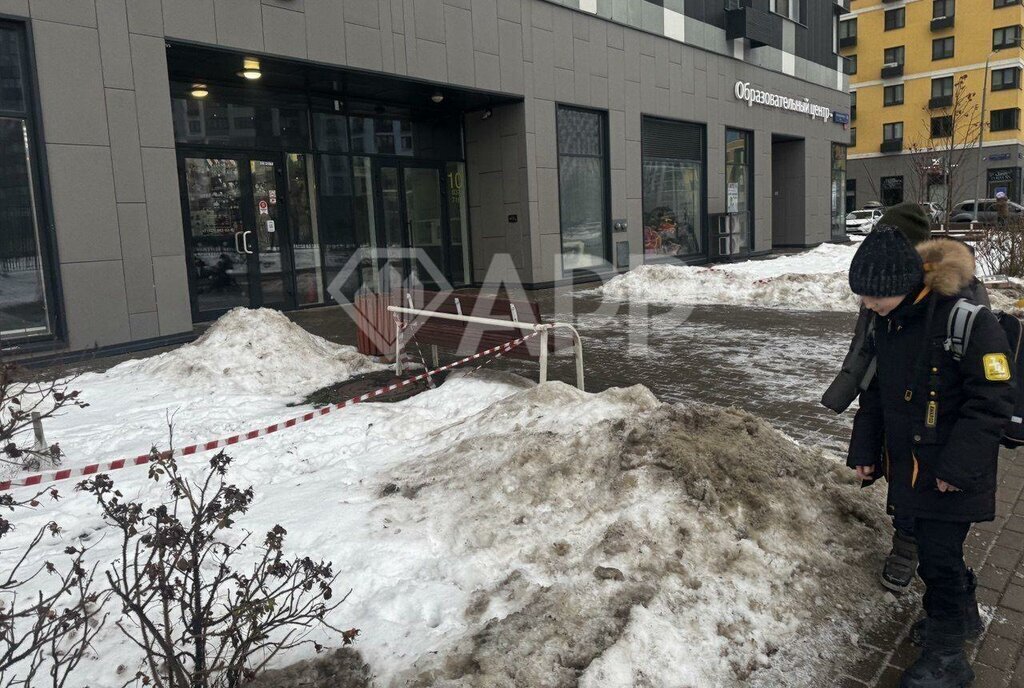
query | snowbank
(499,533)
(242,374)
(255,350)
(812,280)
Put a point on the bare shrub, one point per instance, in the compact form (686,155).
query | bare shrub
(21,396)
(49,612)
(1000,250)
(201,622)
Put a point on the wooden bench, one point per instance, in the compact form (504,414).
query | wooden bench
(435,322)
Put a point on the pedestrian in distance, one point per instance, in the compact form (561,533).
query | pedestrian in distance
(1002,210)
(930,423)
(858,370)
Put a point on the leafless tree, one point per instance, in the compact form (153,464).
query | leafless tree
(941,152)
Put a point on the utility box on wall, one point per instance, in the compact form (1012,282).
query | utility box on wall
(725,239)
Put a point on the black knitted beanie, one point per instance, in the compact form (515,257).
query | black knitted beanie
(910,219)
(886,264)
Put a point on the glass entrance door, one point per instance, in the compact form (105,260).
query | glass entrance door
(237,233)
(414,215)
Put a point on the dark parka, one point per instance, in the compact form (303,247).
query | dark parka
(858,367)
(960,442)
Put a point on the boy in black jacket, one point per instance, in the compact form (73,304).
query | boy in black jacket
(930,425)
(859,368)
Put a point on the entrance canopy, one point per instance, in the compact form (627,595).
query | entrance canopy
(209,66)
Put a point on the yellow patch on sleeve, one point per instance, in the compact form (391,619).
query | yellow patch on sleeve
(997,368)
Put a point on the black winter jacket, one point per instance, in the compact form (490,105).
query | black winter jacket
(858,367)
(926,416)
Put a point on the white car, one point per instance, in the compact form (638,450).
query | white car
(862,221)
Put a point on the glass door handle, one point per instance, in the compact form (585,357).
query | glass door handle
(238,246)
(245,241)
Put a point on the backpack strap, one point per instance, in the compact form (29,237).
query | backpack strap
(958,327)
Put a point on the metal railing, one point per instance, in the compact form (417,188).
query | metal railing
(544,329)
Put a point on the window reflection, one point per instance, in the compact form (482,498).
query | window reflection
(24,308)
(673,180)
(582,165)
(22,295)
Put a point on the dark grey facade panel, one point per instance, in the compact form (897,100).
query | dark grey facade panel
(814,38)
(813,35)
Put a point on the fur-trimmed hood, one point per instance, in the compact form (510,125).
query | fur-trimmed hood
(948,265)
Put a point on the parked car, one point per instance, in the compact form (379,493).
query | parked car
(862,221)
(934,211)
(964,211)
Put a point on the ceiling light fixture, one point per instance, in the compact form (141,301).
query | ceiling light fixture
(200,91)
(437,97)
(250,69)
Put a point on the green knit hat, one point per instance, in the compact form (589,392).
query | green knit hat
(910,219)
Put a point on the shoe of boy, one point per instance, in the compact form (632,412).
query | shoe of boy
(901,563)
(942,664)
(975,626)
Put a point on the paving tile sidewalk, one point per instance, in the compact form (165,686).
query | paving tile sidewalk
(995,551)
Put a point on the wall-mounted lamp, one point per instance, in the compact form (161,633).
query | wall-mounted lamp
(488,113)
(199,91)
(250,69)
(437,97)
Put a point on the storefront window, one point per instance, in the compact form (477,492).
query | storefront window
(892,191)
(302,219)
(234,120)
(582,186)
(24,306)
(338,209)
(673,188)
(838,192)
(458,221)
(1006,180)
(739,191)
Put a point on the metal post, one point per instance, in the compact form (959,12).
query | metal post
(981,137)
(577,345)
(398,348)
(543,355)
(37,429)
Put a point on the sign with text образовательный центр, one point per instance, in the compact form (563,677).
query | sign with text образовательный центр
(756,96)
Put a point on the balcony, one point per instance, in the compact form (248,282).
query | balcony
(848,42)
(940,102)
(940,23)
(892,70)
(759,27)
(892,146)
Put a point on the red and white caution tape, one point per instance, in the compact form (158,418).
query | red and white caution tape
(103,467)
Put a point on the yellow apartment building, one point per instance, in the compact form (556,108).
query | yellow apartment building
(905,59)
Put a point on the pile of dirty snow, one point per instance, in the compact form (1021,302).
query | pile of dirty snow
(611,540)
(255,350)
(498,533)
(814,280)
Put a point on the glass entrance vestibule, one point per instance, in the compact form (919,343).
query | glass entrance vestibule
(280,191)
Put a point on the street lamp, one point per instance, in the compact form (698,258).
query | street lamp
(981,130)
